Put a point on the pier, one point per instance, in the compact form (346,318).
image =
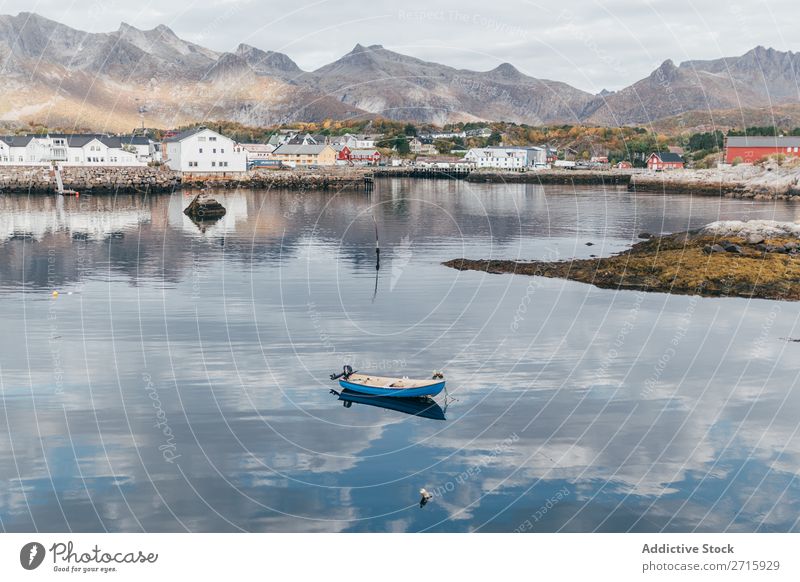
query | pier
(433,173)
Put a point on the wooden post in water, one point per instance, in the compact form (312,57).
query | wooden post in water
(377,245)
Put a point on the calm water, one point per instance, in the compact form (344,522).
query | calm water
(180,379)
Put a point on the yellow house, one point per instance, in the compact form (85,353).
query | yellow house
(306,155)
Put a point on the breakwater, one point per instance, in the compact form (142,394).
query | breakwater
(86,179)
(770,182)
(141,179)
(329,179)
(613,177)
(567,177)
(421,172)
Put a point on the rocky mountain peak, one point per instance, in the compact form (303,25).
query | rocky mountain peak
(165,30)
(229,67)
(506,71)
(666,71)
(367,79)
(267,62)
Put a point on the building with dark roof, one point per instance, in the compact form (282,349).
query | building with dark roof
(76,149)
(306,155)
(664,161)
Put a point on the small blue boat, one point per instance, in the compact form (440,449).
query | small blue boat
(391,387)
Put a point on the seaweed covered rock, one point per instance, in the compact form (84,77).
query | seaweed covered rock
(203,208)
(716,261)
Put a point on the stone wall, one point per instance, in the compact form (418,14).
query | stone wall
(25,178)
(88,179)
(120,179)
(331,178)
(133,179)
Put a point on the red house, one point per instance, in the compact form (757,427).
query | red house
(664,161)
(342,153)
(369,157)
(751,148)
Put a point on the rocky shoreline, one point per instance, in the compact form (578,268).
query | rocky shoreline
(717,261)
(769,182)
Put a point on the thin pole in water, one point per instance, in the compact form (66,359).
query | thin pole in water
(377,245)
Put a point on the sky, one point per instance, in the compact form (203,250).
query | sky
(592,45)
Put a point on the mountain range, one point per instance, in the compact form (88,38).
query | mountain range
(59,76)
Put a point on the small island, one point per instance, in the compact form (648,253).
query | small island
(754,259)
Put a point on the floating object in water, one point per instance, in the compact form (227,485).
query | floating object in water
(55,293)
(204,208)
(425,496)
(386,386)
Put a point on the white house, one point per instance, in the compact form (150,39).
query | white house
(511,158)
(92,150)
(417,146)
(258,151)
(201,150)
(144,148)
(444,135)
(74,149)
(17,149)
(479,132)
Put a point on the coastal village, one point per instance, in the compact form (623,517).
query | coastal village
(202,150)
(755,162)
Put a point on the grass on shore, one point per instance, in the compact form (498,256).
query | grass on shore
(673,264)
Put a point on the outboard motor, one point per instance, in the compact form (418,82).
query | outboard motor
(347,370)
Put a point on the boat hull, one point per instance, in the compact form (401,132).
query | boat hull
(428,390)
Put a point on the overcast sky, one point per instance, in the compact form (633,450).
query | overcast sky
(591,45)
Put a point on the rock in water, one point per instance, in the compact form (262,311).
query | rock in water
(204,208)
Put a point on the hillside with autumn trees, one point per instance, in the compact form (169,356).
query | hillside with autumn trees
(576,142)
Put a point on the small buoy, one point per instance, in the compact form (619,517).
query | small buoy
(55,293)
(425,496)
